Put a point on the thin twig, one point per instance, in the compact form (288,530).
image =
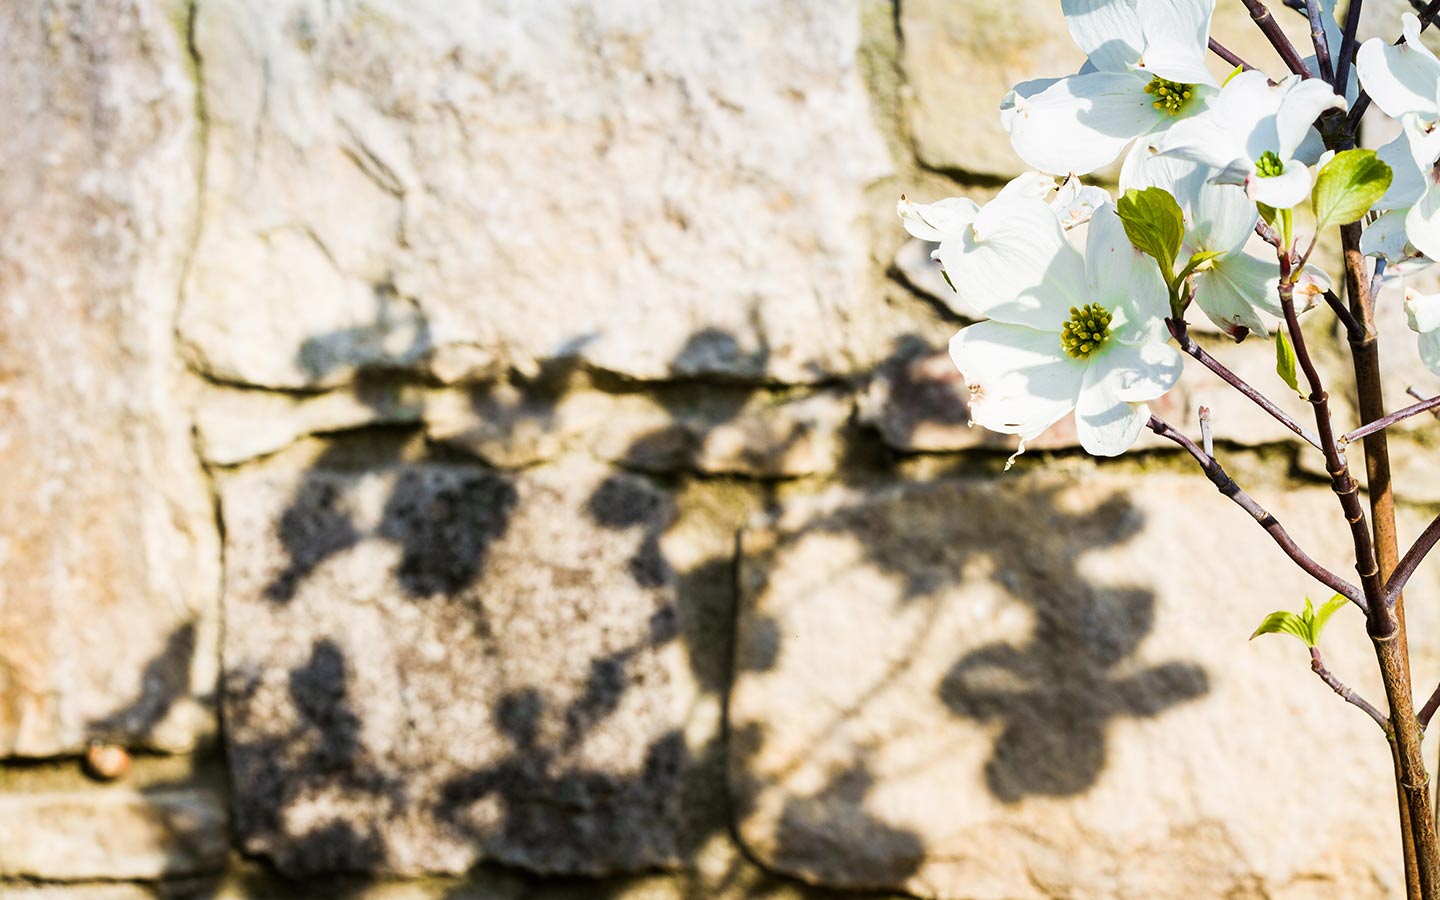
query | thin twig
(1419,396)
(1384,422)
(1412,560)
(1346,488)
(1277,38)
(1377,280)
(1342,312)
(1347,47)
(1321,42)
(1317,663)
(1207,438)
(1181,332)
(1228,55)
(1227,486)
(1427,712)
(1267,233)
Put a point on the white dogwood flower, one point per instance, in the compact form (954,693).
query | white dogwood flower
(1066,331)
(1145,70)
(1404,81)
(1251,135)
(1423,313)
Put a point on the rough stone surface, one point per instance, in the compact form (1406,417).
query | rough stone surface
(428,665)
(919,403)
(1040,687)
(961,58)
(712,429)
(112,833)
(108,557)
(633,184)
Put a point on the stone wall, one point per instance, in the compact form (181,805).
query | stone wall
(506,450)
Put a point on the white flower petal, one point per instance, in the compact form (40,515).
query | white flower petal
(939,221)
(1430,351)
(1386,236)
(1030,186)
(1422,223)
(1401,79)
(1021,381)
(1302,104)
(1015,265)
(1142,371)
(1124,281)
(1218,218)
(1407,184)
(1107,30)
(1081,122)
(1177,34)
(1422,311)
(1105,424)
(1076,203)
(1203,141)
(1235,288)
(1281,191)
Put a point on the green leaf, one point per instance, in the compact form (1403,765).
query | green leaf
(1268,213)
(1347,186)
(1285,361)
(1286,623)
(1317,624)
(1154,224)
(1233,72)
(946,276)
(1197,262)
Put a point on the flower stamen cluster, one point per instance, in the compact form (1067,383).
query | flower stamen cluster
(1087,330)
(1170,96)
(1269,165)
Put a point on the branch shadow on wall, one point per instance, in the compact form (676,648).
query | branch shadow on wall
(535,791)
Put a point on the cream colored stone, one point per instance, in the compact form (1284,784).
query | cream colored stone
(112,834)
(1041,686)
(108,553)
(633,184)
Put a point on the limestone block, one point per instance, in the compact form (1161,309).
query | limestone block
(108,553)
(656,189)
(1040,686)
(112,834)
(429,665)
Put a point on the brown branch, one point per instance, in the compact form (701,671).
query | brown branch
(1271,29)
(1227,486)
(1384,422)
(1181,332)
(1317,664)
(1412,560)
(1347,47)
(1321,43)
(1427,712)
(1352,327)
(1228,55)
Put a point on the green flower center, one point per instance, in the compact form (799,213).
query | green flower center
(1086,331)
(1269,165)
(1170,96)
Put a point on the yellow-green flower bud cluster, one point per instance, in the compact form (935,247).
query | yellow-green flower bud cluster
(1087,330)
(1170,96)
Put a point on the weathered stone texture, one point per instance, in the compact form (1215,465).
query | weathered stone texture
(429,665)
(112,834)
(108,557)
(631,183)
(1040,687)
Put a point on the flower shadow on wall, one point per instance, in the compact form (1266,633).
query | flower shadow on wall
(1056,693)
